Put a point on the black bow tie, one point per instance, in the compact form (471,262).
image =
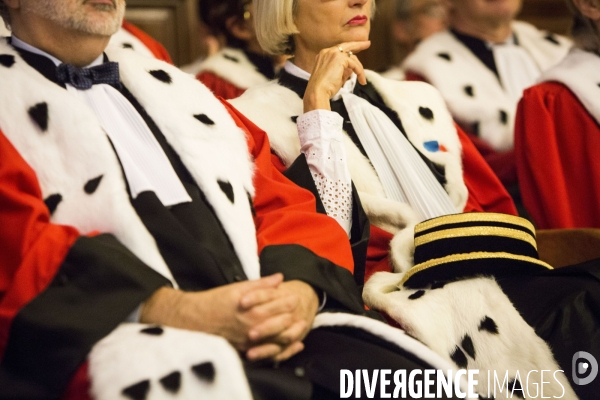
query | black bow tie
(84,78)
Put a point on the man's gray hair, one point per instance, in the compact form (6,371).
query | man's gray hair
(583,30)
(4,14)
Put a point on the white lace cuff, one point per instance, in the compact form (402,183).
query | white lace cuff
(321,138)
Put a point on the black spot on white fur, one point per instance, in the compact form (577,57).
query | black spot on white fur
(251,204)
(91,186)
(426,113)
(445,56)
(552,39)
(7,60)
(230,58)
(138,391)
(417,294)
(171,382)
(516,389)
(127,46)
(503,117)
(469,91)
(153,330)
(488,324)
(467,345)
(204,119)
(227,189)
(459,357)
(39,115)
(205,371)
(161,75)
(294,119)
(52,202)
(475,128)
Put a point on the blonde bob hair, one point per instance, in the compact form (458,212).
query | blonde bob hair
(274,24)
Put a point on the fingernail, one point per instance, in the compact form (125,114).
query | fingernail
(253,334)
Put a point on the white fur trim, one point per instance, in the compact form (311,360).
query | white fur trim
(465,69)
(242,74)
(406,98)
(122,359)
(75,149)
(580,72)
(384,331)
(271,107)
(442,317)
(125,38)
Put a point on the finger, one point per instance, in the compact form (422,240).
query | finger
(269,350)
(257,297)
(354,47)
(295,333)
(271,327)
(282,303)
(290,351)
(271,281)
(356,66)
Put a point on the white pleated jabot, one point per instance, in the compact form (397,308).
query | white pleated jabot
(403,173)
(146,165)
(516,68)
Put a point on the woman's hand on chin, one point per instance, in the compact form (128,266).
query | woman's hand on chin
(332,68)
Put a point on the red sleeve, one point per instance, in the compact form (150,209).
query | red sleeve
(413,76)
(486,192)
(154,46)
(52,289)
(557,142)
(33,249)
(219,86)
(286,213)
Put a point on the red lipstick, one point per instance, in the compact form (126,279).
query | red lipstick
(358,20)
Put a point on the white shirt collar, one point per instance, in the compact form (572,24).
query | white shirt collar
(298,72)
(16,42)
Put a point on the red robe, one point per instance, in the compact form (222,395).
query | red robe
(221,87)
(33,248)
(557,142)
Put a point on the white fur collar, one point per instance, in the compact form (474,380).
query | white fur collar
(580,72)
(473,93)
(272,106)
(73,149)
(234,66)
(126,40)
(474,321)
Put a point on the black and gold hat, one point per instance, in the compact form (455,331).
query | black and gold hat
(464,245)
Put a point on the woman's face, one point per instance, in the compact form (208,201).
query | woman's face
(327,23)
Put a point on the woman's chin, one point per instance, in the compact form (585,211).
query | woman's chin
(356,35)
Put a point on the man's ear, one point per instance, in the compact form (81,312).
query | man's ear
(240,28)
(589,8)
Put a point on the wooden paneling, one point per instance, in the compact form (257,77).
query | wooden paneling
(552,15)
(174,23)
